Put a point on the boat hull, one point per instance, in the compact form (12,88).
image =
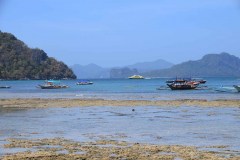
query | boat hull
(84,83)
(182,87)
(2,87)
(136,77)
(52,87)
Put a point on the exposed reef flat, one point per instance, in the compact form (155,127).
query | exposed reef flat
(58,148)
(46,148)
(45,103)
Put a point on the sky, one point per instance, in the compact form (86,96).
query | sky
(121,32)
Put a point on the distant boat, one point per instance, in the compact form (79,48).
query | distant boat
(237,87)
(84,82)
(182,84)
(2,87)
(52,84)
(136,77)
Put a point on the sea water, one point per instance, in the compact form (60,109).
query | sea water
(144,89)
(192,126)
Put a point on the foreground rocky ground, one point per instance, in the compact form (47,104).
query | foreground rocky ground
(57,148)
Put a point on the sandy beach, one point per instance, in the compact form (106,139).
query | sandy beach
(45,103)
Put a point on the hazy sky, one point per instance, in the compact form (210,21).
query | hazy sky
(120,32)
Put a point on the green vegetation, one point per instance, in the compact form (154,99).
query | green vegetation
(211,65)
(17,61)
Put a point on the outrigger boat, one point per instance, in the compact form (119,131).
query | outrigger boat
(237,87)
(182,80)
(2,87)
(182,84)
(84,82)
(51,84)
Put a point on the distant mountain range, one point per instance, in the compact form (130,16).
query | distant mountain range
(122,72)
(149,66)
(211,65)
(90,71)
(95,71)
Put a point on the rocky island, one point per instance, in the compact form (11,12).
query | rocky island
(18,61)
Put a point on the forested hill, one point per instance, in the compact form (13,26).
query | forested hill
(18,61)
(211,65)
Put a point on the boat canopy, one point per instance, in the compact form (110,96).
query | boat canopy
(53,81)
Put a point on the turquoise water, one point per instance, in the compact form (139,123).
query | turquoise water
(123,89)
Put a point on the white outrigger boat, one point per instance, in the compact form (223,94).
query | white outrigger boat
(52,84)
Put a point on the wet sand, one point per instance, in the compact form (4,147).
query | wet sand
(57,148)
(45,103)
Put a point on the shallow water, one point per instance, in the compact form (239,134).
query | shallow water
(123,89)
(194,126)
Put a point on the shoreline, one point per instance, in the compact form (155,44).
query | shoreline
(65,103)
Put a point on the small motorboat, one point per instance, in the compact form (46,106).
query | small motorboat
(183,85)
(237,87)
(51,84)
(84,82)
